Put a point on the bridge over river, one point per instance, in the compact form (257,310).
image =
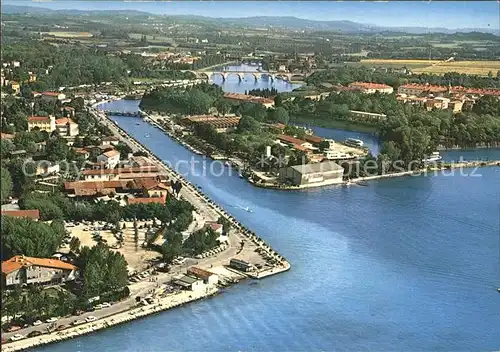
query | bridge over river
(273,75)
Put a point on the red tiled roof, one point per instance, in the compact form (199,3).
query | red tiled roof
(32,214)
(290,139)
(147,200)
(123,170)
(200,273)
(20,261)
(111,153)
(213,225)
(369,85)
(301,148)
(51,94)
(313,139)
(38,118)
(64,121)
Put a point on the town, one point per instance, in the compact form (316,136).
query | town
(97,230)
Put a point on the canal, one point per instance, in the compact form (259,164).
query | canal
(404,264)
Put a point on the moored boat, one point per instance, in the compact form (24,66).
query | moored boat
(354,142)
(434,157)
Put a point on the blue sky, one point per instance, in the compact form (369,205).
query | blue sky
(449,14)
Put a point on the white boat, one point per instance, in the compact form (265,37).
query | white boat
(227,163)
(147,135)
(240,175)
(433,158)
(336,155)
(354,142)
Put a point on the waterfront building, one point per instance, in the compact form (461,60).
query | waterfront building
(126,173)
(241,265)
(188,282)
(66,127)
(110,141)
(20,270)
(207,276)
(367,116)
(370,88)
(43,123)
(221,124)
(33,214)
(154,188)
(324,173)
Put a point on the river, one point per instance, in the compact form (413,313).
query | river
(405,264)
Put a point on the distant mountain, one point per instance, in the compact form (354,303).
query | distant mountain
(259,21)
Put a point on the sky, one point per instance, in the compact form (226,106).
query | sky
(448,14)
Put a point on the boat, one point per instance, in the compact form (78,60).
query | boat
(147,135)
(240,176)
(227,163)
(354,142)
(435,156)
(498,290)
(137,124)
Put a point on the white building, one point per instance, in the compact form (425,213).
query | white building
(67,127)
(208,277)
(111,158)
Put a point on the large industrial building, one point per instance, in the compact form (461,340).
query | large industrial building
(310,175)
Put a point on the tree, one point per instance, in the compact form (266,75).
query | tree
(324,145)
(248,124)
(222,106)
(57,149)
(5,184)
(74,245)
(280,114)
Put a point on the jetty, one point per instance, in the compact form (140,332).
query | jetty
(123,113)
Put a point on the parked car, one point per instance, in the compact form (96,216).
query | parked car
(34,333)
(13,328)
(78,322)
(51,320)
(17,337)
(90,319)
(38,322)
(62,327)
(105,305)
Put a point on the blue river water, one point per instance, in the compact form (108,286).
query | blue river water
(406,264)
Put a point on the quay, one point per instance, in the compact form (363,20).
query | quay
(204,206)
(431,169)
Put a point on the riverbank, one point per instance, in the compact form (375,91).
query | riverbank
(273,262)
(337,124)
(154,120)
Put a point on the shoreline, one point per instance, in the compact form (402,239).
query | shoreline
(281,265)
(357,181)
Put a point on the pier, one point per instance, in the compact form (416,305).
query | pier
(122,113)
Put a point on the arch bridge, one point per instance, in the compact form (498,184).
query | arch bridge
(273,75)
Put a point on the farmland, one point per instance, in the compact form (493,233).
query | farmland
(69,34)
(481,68)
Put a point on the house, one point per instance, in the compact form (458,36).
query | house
(31,214)
(154,188)
(456,106)
(45,168)
(437,103)
(241,265)
(15,86)
(324,173)
(67,127)
(208,277)
(218,229)
(7,136)
(295,142)
(110,141)
(43,123)
(31,77)
(367,116)
(422,89)
(370,88)
(126,173)
(314,140)
(20,270)
(188,282)
(83,152)
(111,158)
(53,96)
(221,124)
